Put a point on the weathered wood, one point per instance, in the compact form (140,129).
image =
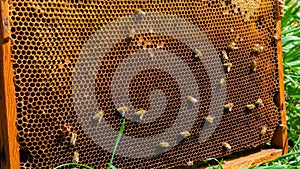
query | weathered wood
(280,136)
(9,148)
(251,160)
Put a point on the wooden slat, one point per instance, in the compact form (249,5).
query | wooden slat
(280,136)
(251,160)
(9,148)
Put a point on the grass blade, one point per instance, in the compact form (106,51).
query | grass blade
(73,164)
(116,145)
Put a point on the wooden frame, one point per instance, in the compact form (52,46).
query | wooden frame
(9,148)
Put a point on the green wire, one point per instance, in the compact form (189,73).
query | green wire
(75,164)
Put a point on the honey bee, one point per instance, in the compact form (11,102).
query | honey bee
(226,145)
(140,113)
(228,65)
(192,99)
(222,81)
(164,144)
(276,37)
(98,116)
(232,46)
(185,134)
(250,106)
(198,53)
(264,130)
(258,48)
(259,102)
(229,106)
(132,34)
(209,119)
(73,138)
(254,65)
(139,12)
(76,157)
(224,55)
(11,22)
(284,127)
(123,110)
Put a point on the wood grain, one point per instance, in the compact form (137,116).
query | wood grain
(280,137)
(9,148)
(251,160)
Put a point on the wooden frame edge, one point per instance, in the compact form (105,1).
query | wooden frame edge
(280,136)
(251,160)
(9,147)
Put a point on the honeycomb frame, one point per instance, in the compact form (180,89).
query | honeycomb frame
(34,124)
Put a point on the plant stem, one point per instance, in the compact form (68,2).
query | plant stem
(117,142)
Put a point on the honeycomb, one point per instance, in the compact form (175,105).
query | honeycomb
(54,51)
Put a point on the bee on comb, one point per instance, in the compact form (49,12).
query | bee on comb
(185,134)
(73,138)
(123,110)
(228,65)
(264,130)
(226,145)
(232,46)
(192,99)
(209,119)
(76,157)
(229,106)
(139,12)
(250,106)
(140,113)
(258,48)
(98,116)
(164,144)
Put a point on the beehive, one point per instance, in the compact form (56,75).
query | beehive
(72,59)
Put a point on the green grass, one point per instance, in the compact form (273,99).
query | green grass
(110,166)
